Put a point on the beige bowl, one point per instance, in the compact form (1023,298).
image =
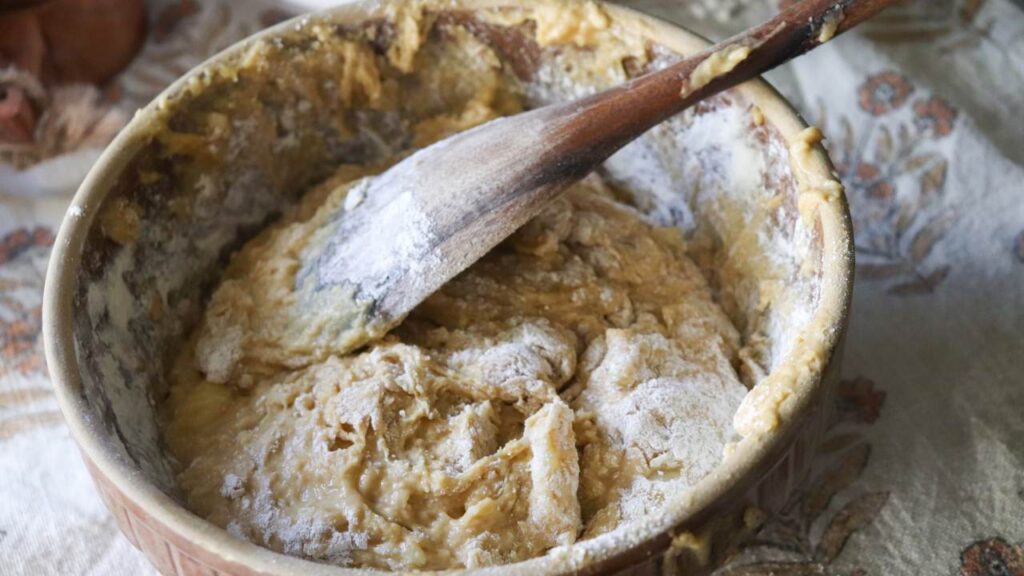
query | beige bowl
(145,239)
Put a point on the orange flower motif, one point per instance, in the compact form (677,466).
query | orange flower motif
(935,115)
(881,191)
(992,557)
(867,177)
(859,400)
(21,321)
(22,239)
(867,172)
(20,336)
(884,92)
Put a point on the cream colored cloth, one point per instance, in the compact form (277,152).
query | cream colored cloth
(923,472)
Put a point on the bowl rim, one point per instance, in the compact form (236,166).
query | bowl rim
(752,457)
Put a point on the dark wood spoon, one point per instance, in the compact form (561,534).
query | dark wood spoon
(432,215)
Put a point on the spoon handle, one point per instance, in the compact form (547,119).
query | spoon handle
(605,122)
(436,212)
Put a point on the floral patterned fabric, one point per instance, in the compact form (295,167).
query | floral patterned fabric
(922,471)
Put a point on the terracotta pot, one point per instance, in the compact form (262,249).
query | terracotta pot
(61,42)
(69,41)
(113,309)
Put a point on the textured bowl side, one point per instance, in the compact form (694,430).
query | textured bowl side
(169,552)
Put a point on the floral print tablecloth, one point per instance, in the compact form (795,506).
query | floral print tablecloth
(923,469)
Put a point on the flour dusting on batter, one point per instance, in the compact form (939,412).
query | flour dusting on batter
(575,380)
(570,382)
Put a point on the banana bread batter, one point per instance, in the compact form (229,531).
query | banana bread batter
(569,383)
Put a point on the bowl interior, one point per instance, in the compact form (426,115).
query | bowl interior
(232,145)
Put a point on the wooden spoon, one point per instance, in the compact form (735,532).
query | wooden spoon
(432,215)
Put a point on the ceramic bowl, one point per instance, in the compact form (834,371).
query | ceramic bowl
(153,224)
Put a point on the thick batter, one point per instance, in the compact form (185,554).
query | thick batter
(569,383)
